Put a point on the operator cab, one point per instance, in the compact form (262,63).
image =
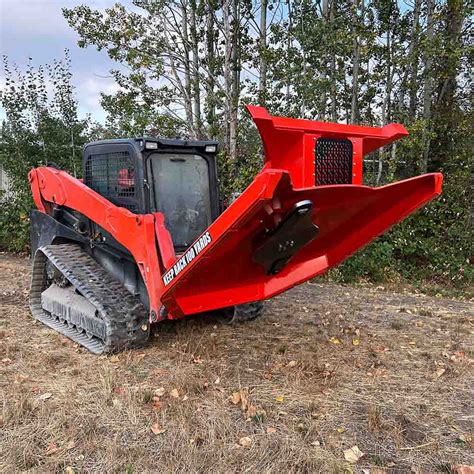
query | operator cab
(175,177)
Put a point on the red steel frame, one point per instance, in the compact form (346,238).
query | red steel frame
(218,270)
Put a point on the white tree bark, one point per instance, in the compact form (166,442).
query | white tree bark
(428,82)
(262,82)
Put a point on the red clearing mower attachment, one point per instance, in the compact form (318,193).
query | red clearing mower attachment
(304,213)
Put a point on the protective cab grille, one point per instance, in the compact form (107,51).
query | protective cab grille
(333,161)
(112,175)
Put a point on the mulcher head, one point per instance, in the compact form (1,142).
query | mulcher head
(304,213)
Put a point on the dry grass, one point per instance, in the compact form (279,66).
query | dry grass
(403,395)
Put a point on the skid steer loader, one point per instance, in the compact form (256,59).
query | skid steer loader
(142,237)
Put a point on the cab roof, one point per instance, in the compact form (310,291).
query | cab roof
(163,143)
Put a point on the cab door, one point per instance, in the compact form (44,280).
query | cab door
(181,191)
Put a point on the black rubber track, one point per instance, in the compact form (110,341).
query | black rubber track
(124,316)
(247,311)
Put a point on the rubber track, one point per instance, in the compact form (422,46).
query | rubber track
(247,312)
(124,315)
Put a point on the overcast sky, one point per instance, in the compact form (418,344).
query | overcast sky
(37,29)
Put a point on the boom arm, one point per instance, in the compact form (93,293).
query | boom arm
(135,232)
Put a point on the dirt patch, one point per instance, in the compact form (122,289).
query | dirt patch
(326,368)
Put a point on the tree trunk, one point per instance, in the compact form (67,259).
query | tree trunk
(288,55)
(411,70)
(235,86)
(446,106)
(227,73)
(332,15)
(195,72)
(303,56)
(188,106)
(387,101)
(414,58)
(355,65)
(428,84)
(212,71)
(262,83)
(325,13)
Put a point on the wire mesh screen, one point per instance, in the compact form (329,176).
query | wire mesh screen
(333,161)
(112,175)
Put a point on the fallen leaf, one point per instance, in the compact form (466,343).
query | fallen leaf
(116,403)
(341,430)
(439,372)
(251,411)
(244,401)
(280,398)
(51,449)
(353,454)
(240,397)
(114,359)
(64,340)
(70,445)
(157,429)
(159,392)
(292,363)
(235,398)
(356,342)
(69,470)
(19,378)
(463,469)
(45,396)
(174,393)
(246,441)
(156,403)
(271,430)
(335,340)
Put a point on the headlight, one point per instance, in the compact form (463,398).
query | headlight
(210,148)
(151,145)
